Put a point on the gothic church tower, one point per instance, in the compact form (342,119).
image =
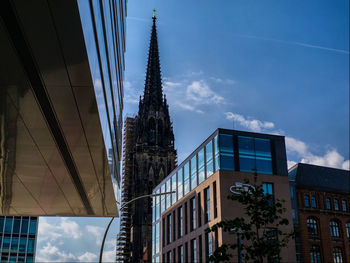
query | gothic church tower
(149,156)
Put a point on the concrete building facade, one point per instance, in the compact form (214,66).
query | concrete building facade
(202,183)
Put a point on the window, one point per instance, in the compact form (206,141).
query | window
(334,229)
(186,178)
(14,245)
(272,238)
(199,209)
(268,192)
(157,239)
(313,201)
(16,225)
(255,155)
(217,153)
(180,254)
(174,228)
(201,171)
(226,152)
(8,224)
(344,206)
(186,252)
(180,189)
(347,228)
(209,158)
(306,201)
(22,244)
(336,204)
(193,250)
(24,228)
(168,231)
(179,222)
(206,205)
(315,254)
(312,227)
(328,203)
(168,197)
(168,256)
(208,245)
(193,172)
(30,248)
(337,255)
(215,200)
(162,199)
(200,248)
(163,232)
(173,188)
(193,214)
(186,221)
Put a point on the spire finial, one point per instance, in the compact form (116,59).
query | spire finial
(154,14)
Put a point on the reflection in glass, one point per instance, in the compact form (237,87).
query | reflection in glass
(30,248)
(217,153)
(8,225)
(32,226)
(179,184)
(209,158)
(226,152)
(16,225)
(22,244)
(173,188)
(14,244)
(201,171)
(193,172)
(186,178)
(24,229)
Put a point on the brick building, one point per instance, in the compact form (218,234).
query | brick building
(321,213)
(202,183)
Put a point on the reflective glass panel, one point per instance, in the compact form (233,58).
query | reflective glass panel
(6,244)
(14,244)
(209,158)
(247,163)
(162,199)
(217,153)
(22,244)
(262,147)
(157,237)
(179,184)
(193,172)
(168,196)
(226,143)
(186,178)
(16,225)
(20,259)
(201,171)
(32,226)
(2,219)
(8,224)
(30,248)
(29,259)
(246,145)
(157,209)
(173,188)
(24,228)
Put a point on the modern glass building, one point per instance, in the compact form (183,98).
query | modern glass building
(18,238)
(201,184)
(61,101)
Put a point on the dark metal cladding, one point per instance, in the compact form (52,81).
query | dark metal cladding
(149,156)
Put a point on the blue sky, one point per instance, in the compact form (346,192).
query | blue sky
(267,66)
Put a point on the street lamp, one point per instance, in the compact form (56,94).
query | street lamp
(121,208)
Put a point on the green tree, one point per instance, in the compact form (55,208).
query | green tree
(260,235)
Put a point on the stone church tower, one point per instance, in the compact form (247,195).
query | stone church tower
(149,156)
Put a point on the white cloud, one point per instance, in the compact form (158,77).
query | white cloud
(50,253)
(87,257)
(96,231)
(251,124)
(52,232)
(172,84)
(200,93)
(223,81)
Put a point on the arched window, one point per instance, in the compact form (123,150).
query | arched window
(312,227)
(334,229)
(337,255)
(313,201)
(315,254)
(336,204)
(347,227)
(306,201)
(328,203)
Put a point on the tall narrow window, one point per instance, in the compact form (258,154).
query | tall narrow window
(217,153)
(180,254)
(269,192)
(163,232)
(186,178)
(193,250)
(186,219)
(180,186)
(169,229)
(334,229)
(168,257)
(272,239)
(328,203)
(209,158)
(186,252)
(313,202)
(347,228)
(226,152)
(199,209)
(315,254)
(168,197)
(193,172)
(174,227)
(344,206)
(337,255)
(215,200)
(312,227)
(193,214)
(179,222)
(306,201)
(208,245)
(336,204)
(201,166)
(162,199)
(206,205)
(173,188)
(200,248)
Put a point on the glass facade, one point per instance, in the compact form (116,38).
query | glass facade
(104,32)
(18,238)
(218,152)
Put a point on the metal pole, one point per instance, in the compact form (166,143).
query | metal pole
(121,208)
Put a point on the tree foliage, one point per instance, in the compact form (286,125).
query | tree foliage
(260,231)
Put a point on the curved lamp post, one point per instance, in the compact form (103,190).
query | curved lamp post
(121,208)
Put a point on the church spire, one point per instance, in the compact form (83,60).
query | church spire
(153,94)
